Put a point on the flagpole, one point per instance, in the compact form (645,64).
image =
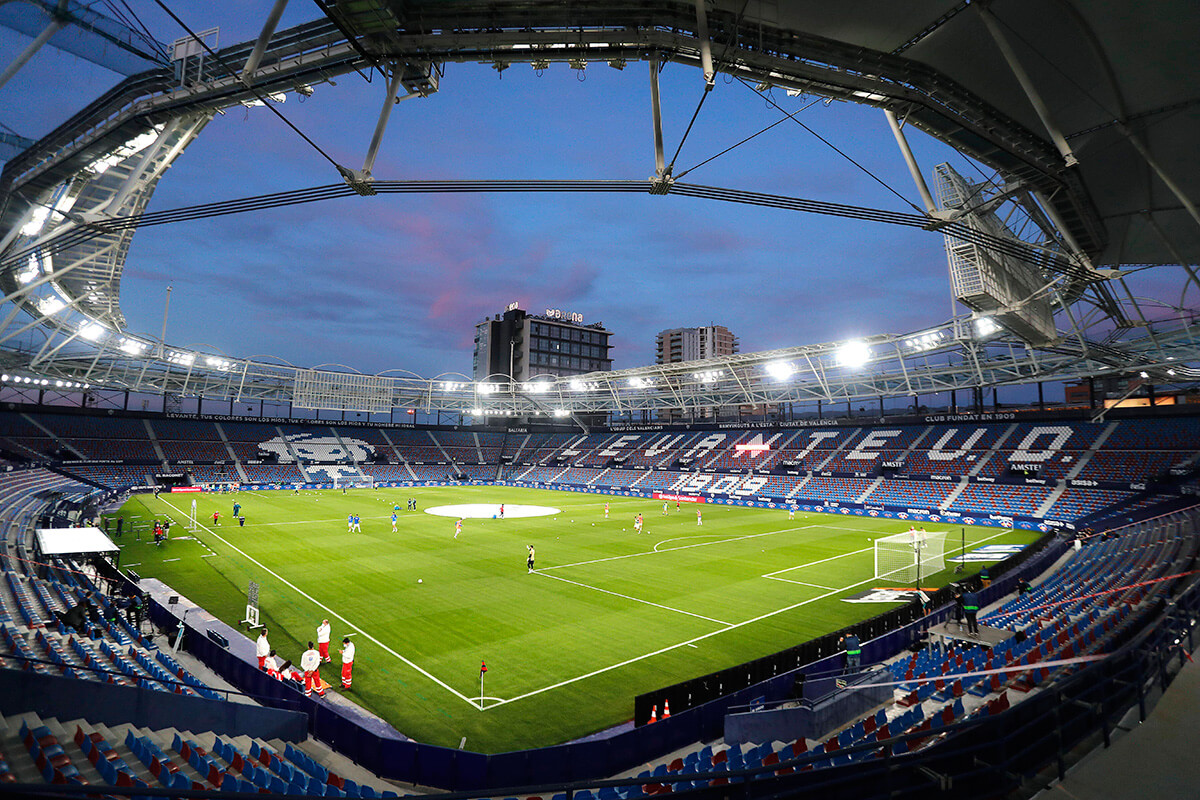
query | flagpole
(481,690)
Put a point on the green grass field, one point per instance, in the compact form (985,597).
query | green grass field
(607,615)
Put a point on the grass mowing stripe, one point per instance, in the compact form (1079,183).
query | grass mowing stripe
(702,637)
(629,597)
(656,551)
(331,612)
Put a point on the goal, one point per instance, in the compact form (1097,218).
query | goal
(898,556)
(354,481)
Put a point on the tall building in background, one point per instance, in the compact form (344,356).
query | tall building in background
(694,344)
(524,346)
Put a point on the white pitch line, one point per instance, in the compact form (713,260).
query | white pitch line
(814,563)
(630,597)
(798,583)
(470,701)
(674,549)
(700,638)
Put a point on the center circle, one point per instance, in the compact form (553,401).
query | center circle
(489,510)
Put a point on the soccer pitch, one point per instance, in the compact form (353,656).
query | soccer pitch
(607,613)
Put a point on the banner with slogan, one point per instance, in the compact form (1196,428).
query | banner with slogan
(679,498)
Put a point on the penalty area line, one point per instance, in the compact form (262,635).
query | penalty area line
(470,701)
(692,642)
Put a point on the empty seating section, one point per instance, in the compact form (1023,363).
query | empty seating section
(911,493)
(825,488)
(620,478)
(867,451)
(115,475)
(129,757)
(945,450)
(1073,503)
(273,473)
(809,449)
(387,472)
(432,472)
(987,498)
(1056,447)
(1160,434)
(478,472)
(660,481)
(214,473)
(245,437)
(1132,465)
(781,486)
(490,445)
(537,474)
(576,476)
(194,451)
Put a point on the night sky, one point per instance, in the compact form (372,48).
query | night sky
(399,282)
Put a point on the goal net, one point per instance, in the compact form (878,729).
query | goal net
(353,481)
(898,556)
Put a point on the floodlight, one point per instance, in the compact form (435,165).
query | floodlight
(854,354)
(536,387)
(561,412)
(50,305)
(986,326)
(181,358)
(576,385)
(780,370)
(1170,372)
(92,331)
(477,411)
(487,388)
(639,383)
(132,346)
(4,378)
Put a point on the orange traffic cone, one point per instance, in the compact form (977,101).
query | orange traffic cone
(653,714)
(666,708)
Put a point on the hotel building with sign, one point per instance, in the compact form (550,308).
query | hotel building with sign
(522,346)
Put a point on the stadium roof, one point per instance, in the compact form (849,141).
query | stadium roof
(1085,112)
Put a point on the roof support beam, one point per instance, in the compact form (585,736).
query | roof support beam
(1031,92)
(706,60)
(260,45)
(911,160)
(21,60)
(660,160)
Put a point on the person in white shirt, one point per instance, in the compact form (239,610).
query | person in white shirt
(262,649)
(310,662)
(347,652)
(323,640)
(272,665)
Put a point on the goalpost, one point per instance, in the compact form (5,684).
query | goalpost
(353,481)
(898,556)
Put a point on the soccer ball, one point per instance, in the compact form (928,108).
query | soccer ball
(420,581)
(593,524)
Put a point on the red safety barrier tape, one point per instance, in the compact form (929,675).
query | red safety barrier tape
(1095,594)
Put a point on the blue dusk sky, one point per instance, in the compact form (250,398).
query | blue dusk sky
(399,282)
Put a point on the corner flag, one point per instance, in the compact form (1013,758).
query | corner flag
(482,668)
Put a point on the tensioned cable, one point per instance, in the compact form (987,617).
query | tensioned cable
(833,147)
(957,230)
(748,138)
(265,101)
